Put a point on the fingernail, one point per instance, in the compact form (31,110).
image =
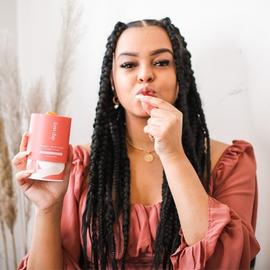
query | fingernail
(29,171)
(152,139)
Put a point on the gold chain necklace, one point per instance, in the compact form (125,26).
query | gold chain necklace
(148,155)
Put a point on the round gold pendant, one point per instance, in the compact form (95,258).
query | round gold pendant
(148,157)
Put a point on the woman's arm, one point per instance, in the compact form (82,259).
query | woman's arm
(191,200)
(46,251)
(189,196)
(56,244)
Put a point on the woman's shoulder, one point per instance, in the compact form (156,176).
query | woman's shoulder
(85,147)
(231,154)
(81,148)
(81,153)
(225,158)
(217,148)
(233,168)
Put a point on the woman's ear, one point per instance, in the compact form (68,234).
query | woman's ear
(112,82)
(111,75)
(177,90)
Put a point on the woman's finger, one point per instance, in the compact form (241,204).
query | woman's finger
(152,131)
(24,142)
(20,158)
(155,102)
(154,121)
(22,175)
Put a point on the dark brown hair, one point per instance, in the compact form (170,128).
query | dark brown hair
(109,164)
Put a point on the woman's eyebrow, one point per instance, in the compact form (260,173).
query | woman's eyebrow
(127,54)
(161,50)
(154,52)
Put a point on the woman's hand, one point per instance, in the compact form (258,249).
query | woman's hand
(164,124)
(43,194)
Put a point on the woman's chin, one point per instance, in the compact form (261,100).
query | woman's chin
(140,113)
(143,112)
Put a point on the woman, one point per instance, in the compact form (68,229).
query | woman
(160,193)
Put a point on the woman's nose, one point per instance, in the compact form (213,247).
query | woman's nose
(145,75)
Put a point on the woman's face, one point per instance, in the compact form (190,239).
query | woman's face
(143,63)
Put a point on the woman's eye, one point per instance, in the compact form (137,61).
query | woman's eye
(127,65)
(162,63)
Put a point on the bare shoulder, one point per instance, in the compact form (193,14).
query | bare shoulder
(217,149)
(86,147)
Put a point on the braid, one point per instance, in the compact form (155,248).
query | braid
(109,173)
(99,214)
(195,140)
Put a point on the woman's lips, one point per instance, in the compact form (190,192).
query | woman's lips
(148,94)
(146,91)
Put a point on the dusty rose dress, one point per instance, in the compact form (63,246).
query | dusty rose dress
(229,242)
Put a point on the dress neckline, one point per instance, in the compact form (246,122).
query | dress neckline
(158,204)
(146,206)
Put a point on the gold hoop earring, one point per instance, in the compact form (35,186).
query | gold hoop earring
(115,102)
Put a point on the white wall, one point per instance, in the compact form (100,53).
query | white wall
(229,42)
(8,15)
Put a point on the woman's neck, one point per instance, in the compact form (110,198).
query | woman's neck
(135,132)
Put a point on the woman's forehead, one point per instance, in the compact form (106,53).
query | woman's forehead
(146,38)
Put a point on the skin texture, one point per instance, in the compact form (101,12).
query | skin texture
(138,64)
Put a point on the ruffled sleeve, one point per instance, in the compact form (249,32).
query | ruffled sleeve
(72,209)
(229,242)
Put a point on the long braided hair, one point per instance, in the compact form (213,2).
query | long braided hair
(109,175)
